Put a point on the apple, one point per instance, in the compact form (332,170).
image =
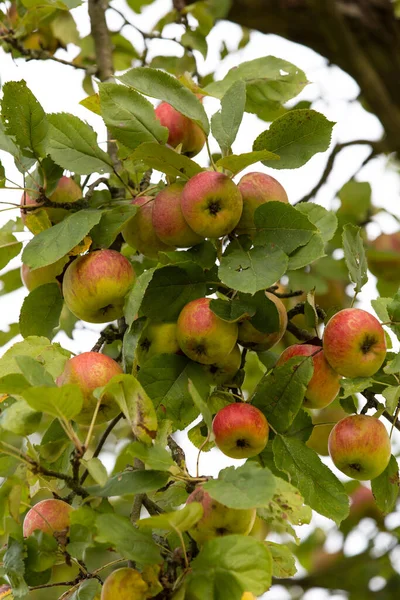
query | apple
(66,192)
(50,516)
(260,529)
(95,285)
(248,596)
(257,189)
(182,130)
(241,430)
(256,340)
(383,256)
(211,204)
(323,423)
(202,336)
(218,520)
(168,222)
(33,278)
(139,231)
(324,385)
(359,446)
(223,372)
(157,338)
(354,343)
(125,584)
(89,371)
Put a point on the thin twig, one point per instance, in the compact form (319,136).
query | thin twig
(102,441)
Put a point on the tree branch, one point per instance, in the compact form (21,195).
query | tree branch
(372,402)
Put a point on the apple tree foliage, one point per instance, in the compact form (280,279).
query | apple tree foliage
(45,453)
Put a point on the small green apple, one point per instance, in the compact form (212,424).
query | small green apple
(157,338)
(223,372)
(139,231)
(125,584)
(33,278)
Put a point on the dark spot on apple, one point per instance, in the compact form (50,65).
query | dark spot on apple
(214,207)
(200,349)
(105,309)
(242,443)
(214,369)
(145,344)
(356,467)
(221,531)
(367,343)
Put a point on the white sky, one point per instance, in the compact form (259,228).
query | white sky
(58,88)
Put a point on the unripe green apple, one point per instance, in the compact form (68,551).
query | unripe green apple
(50,516)
(359,446)
(157,338)
(95,285)
(223,372)
(324,385)
(168,222)
(257,189)
(218,520)
(33,278)
(256,340)
(203,336)
(211,204)
(89,371)
(383,256)
(182,130)
(66,192)
(139,231)
(324,422)
(354,343)
(125,584)
(241,430)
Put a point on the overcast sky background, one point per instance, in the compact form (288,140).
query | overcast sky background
(58,88)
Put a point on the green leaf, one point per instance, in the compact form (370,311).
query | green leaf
(270,82)
(236,163)
(41,310)
(249,486)
(321,489)
(52,356)
(111,224)
(20,419)
(10,247)
(88,590)
(283,564)
(13,383)
(310,310)
(34,372)
(393,309)
(203,407)
(354,386)
(2,176)
(301,426)
(137,407)
(52,244)
(228,566)
(64,402)
(233,310)
(10,281)
(280,393)
(136,295)
(171,288)
(391,395)
(166,160)
(129,116)
(14,567)
(307,254)
(194,40)
(97,470)
(7,144)
(117,531)
(42,551)
(158,84)
(130,482)
(385,488)
(281,224)
(354,255)
(155,457)
(24,119)
(325,220)
(252,270)
(72,144)
(166,380)
(295,137)
(180,520)
(225,124)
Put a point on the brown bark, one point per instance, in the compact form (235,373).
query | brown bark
(360,36)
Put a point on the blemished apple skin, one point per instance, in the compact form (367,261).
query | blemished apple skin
(359,446)
(324,385)
(257,189)
(202,336)
(50,516)
(33,278)
(211,204)
(218,520)
(223,372)
(168,221)
(241,430)
(95,285)
(157,338)
(139,231)
(124,584)
(182,130)
(250,337)
(354,343)
(383,256)
(89,371)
